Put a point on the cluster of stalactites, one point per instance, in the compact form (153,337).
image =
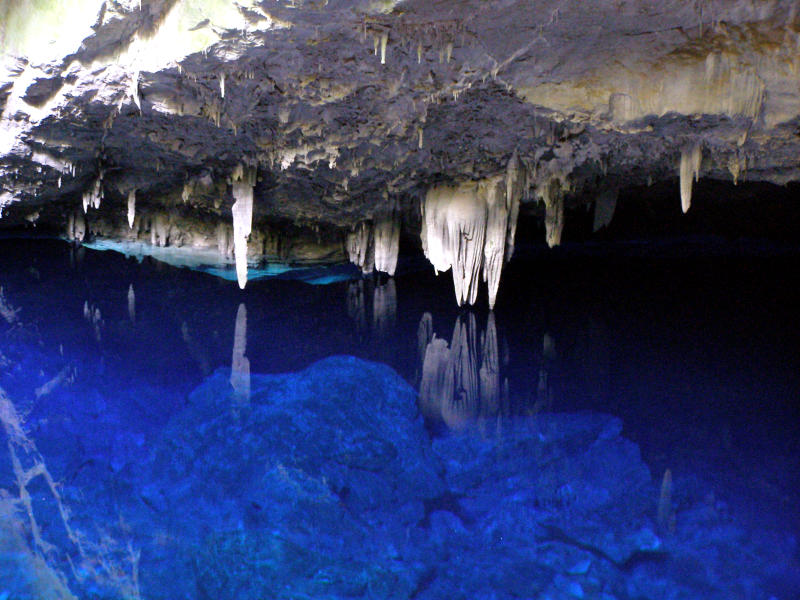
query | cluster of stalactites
(243,180)
(691,158)
(93,196)
(374,245)
(470,228)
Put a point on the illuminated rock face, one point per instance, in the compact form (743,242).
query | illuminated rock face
(356,114)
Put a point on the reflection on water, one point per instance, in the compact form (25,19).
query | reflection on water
(240,366)
(384,306)
(132,304)
(146,453)
(460,383)
(465,382)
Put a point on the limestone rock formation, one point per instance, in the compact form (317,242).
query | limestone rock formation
(355,114)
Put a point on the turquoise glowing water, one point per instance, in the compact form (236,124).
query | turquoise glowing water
(288,441)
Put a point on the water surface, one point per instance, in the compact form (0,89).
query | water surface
(201,449)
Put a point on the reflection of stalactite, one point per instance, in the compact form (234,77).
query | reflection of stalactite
(490,369)
(461,383)
(424,337)
(93,316)
(544,389)
(131,304)
(195,349)
(356,307)
(463,349)
(240,364)
(436,385)
(384,308)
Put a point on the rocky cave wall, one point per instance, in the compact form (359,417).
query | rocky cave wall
(313,131)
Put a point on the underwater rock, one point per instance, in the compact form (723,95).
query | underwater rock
(333,460)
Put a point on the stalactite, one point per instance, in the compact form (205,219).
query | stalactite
(386,238)
(159,229)
(737,164)
(454,234)
(496,230)
(361,247)
(384,41)
(131,208)
(690,169)
(94,195)
(553,198)
(225,240)
(470,228)
(516,183)
(243,181)
(76,226)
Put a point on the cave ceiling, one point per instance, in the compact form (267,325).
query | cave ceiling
(340,111)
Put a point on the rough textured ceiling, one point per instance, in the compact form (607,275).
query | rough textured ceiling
(345,108)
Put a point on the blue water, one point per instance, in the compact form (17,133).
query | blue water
(167,435)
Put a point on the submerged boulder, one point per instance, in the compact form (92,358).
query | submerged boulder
(312,484)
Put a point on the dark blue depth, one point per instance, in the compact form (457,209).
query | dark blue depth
(169,436)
